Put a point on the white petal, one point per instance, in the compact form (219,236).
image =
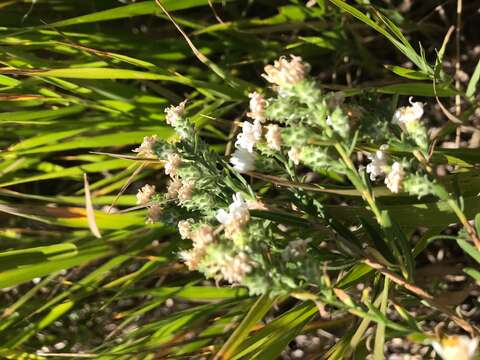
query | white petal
(223,217)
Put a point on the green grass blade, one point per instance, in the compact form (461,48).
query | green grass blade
(255,314)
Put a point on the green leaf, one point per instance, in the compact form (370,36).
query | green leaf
(73,217)
(353,276)
(255,314)
(469,249)
(269,342)
(475,274)
(417,89)
(75,171)
(472,84)
(39,117)
(95,142)
(407,73)
(379,348)
(17,258)
(141,8)
(28,272)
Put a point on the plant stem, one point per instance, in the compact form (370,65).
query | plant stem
(358,182)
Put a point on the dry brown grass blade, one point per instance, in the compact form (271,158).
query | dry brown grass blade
(445,111)
(195,50)
(127,157)
(458,100)
(127,184)
(219,19)
(296,185)
(92,223)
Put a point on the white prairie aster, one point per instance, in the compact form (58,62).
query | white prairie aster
(250,135)
(236,268)
(185,228)
(237,215)
(153,213)
(172,164)
(145,194)
(286,73)
(192,258)
(273,137)
(242,160)
(378,162)
(173,186)
(406,114)
(294,155)
(174,113)
(186,191)
(394,179)
(203,236)
(257,107)
(456,348)
(146,147)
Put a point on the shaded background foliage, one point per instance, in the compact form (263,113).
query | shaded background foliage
(95,76)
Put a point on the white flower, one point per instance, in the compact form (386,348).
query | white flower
(394,179)
(250,135)
(237,215)
(456,348)
(186,191)
(192,258)
(286,73)
(153,214)
(294,155)
(146,148)
(273,136)
(185,228)
(203,236)
(243,161)
(378,162)
(145,194)
(406,114)
(174,113)
(172,164)
(236,268)
(257,107)
(173,186)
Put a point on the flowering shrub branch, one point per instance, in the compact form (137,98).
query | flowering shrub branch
(288,243)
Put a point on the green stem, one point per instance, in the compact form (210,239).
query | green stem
(358,182)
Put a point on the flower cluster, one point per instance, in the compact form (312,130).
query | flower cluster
(237,216)
(284,73)
(298,134)
(408,118)
(379,166)
(278,230)
(174,114)
(395,177)
(145,194)
(244,157)
(257,107)
(201,238)
(146,149)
